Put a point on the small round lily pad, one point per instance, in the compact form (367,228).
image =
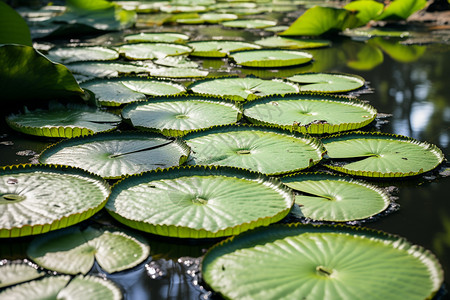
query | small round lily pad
(249,23)
(67,55)
(270,58)
(162,37)
(291,43)
(219,48)
(143,51)
(327,82)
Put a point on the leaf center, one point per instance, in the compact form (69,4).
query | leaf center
(243,152)
(181,117)
(324,271)
(11,198)
(199,200)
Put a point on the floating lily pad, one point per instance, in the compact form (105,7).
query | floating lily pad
(176,116)
(326,197)
(374,32)
(327,82)
(68,55)
(64,287)
(142,51)
(106,69)
(321,262)
(38,198)
(380,154)
(178,72)
(176,61)
(249,24)
(63,121)
(115,92)
(199,201)
(310,113)
(13,273)
(162,37)
(112,155)
(254,148)
(214,18)
(73,250)
(241,89)
(270,58)
(219,48)
(174,9)
(291,43)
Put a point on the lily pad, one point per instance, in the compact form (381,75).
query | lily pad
(64,287)
(321,262)
(176,116)
(380,154)
(142,51)
(270,58)
(249,23)
(241,89)
(178,72)
(106,69)
(64,121)
(254,148)
(327,82)
(12,273)
(73,250)
(68,55)
(38,198)
(112,155)
(291,43)
(375,32)
(310,113)
(162,37)
(199,201)
(326,197)
(219,48)
(214,18)
(116,92)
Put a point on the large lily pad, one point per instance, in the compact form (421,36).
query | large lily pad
(199,201)
(380,154)
(326,197)
(73,250)
(270,58)
(241,89)
(327,82)
(142,51)
(112,155)
(219,48)
(37,199)
(302,261)
(254,148)
(68,55)
(64,287)
(176,116)
(63,121)
(310,113)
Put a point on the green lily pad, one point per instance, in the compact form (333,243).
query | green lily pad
(176,61)
(142,51)
(178,72)
(64,287)
(214,18)
(12,273)
(321,262)
(13,28)
(37,198)
(241,89)
(326,197)
(219,48)
(73,250)
(112,155)
(254,148)
(174,9)
(310,113)
(199,201)
(270,58)
(249,24)
(375,32)
(63,121)
(291,43)
(327,82)
(68,55)
(161,37)
(115,92)
(106,69)
(176,116)
(380,154)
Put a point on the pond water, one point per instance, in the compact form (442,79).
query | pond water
(408,83)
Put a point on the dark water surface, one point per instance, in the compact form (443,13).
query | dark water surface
(411,83)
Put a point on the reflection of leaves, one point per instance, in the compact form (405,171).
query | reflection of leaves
(399,52)
(441,240)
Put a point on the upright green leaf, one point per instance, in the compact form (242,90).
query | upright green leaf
(366,10)
(13,28)
(401,9)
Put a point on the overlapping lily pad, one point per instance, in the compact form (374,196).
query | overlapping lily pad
(291,43)
(328,82)
(119,91)
(12,273)
(270,58)
(112,155)
(176,116)
(321,262)
(310,113)
(380,154)
(199,201)
(143,51)
(326,197)
(39,198)
(72,54)
(219,48)
(64,121)
(241,89)
(255,148)
(162,37)
(74,250)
